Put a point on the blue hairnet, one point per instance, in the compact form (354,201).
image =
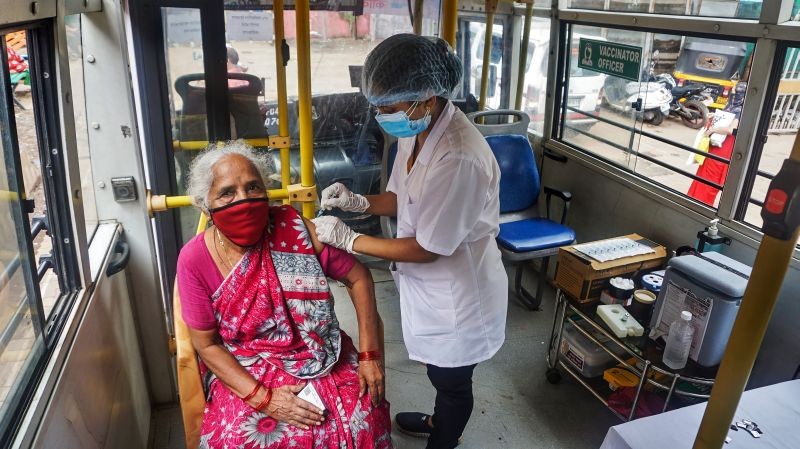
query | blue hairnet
(407,67)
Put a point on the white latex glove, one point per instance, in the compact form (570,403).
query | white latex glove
(337,195)
(334,232)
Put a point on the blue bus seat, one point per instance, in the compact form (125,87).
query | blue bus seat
(524,235)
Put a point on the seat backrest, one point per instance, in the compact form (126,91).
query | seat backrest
(190,387)
(491,123)
(519,177)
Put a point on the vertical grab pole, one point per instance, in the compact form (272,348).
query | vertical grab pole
(418,17)
(781,213)
(487,53)
(523,59)
(281,59)
(449,21)
(304,100)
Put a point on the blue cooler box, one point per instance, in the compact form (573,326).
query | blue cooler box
(711,287)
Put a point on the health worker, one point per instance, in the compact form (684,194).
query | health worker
(443,189)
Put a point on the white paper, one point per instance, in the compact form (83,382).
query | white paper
(309,393)
(677,300)
(613,249)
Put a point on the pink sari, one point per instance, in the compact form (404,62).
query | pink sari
(275,315)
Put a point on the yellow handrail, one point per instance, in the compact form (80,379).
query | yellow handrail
(418,17)
(283,102)
(758,303)
(523,56)
(200,145)
(160,203)
(304,102)
(449,21)
(487,53)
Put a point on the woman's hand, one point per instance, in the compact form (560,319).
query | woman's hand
(371,376)
(287,407)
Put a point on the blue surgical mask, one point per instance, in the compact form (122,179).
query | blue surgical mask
(399,124)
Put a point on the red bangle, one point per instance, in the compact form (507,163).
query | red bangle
(369,355)
(252,393)
(264,402)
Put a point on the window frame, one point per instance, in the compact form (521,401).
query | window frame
(770,24)
(561,124)
(44,72)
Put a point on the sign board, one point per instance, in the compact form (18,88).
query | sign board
(183,26)
(249,26)
(619,60)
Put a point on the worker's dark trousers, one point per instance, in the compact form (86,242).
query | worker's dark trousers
(453,404)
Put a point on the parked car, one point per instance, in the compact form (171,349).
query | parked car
(585,87)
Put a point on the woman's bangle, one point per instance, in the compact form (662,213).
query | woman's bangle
(252,393)
(369,355)
(264,402)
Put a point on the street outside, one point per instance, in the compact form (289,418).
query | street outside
(776,149)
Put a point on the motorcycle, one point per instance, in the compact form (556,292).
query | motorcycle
(657,98)
(687,102)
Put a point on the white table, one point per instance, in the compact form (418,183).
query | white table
(776,410)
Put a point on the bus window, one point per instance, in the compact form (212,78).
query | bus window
(183,51)
(37,261)
(534,92)
(651,126)
(477,32)
(782,129)
(742,9)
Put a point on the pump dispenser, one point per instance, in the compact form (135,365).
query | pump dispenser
(710,239)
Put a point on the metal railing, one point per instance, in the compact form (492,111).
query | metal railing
(46,262)
(785,118)
(644,156)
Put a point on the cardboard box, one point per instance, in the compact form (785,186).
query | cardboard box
(584,278)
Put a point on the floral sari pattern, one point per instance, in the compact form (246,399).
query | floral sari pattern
(275,315)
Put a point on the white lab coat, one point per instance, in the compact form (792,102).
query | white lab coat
(454,309)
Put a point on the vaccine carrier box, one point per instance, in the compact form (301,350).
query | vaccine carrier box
(710,286)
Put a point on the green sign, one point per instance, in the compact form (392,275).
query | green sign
(619,60)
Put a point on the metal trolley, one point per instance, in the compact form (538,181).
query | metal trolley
(564,312)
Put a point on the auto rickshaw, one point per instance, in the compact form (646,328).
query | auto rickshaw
(717,64)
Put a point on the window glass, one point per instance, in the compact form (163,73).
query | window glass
(187,98)
(742,9)
(784,123)
(75,49)
(651,123)
(534,92)
(21,337)
(477,34)
(795,11)
(27,131)
(348,143)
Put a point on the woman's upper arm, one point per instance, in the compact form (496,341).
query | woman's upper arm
(202,339)
(312,234)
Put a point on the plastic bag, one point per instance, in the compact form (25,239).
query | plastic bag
(701,143)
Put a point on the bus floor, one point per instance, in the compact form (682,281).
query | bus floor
(515,406)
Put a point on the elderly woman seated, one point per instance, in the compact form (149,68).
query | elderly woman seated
(254,295)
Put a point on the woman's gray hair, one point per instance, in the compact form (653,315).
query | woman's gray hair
(200,178)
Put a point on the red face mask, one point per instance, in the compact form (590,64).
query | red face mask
(242,221)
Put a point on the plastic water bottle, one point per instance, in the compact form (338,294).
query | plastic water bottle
(679,341)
